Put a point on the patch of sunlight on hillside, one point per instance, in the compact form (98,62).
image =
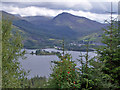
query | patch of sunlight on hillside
(80,21)
(51,39)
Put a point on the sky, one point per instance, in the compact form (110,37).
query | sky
(97,10)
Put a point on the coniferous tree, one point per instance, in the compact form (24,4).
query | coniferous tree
(64,73)
(110,52)
(91,75)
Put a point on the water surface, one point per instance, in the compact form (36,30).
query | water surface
(41,65)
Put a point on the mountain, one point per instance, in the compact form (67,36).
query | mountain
(17,15)
(9,16)
(79,24)
(38,19)
(40,31)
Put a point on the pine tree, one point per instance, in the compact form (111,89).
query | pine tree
(64,74)
(91,75)
(110,53)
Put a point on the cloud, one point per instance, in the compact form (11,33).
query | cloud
(31,11)
(92,9)
(86,5)
(42,11)
(64,3)
(59,0)
(73,3)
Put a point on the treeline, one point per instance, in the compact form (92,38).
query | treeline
(102,71)
(43,52)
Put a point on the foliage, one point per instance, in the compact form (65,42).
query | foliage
(43,52)
(35,82)
(12,73)
(91,75)
(110,53)
(64,74)
(102,71)
(88,76)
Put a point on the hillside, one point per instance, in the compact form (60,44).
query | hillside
(83,26)
(42,32)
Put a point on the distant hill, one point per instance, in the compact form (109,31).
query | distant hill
(81,25)
(40,31)
(9,16)
(38,19)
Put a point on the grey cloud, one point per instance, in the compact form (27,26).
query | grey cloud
(92,10)
(97,7)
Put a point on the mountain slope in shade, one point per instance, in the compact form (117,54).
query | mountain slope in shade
(38,19)
(47,31)
(9,16)
(79,24)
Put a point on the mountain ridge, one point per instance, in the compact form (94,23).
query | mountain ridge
(65,25)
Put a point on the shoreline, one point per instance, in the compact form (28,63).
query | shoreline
(58,49)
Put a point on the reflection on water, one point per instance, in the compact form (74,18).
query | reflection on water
(40,65)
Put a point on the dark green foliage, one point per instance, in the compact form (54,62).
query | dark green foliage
(81,48)
(64,74)
(35,82)
(12,74)
(91,75)
(43,52)
(110,53)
